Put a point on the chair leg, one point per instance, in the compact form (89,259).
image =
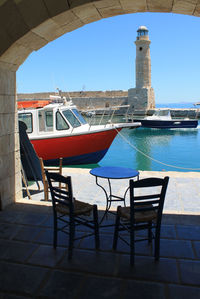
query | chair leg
(46,191)
(55,230)
(96,227)
(150,232)
(132,244)
(116,232)
(157,244)
(71,238)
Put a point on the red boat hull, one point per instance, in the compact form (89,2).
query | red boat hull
(77,149)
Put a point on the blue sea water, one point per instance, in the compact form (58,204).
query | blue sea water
(156,149)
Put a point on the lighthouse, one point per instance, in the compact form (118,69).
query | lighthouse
(142,96)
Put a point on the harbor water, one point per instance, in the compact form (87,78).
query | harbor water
(155,149)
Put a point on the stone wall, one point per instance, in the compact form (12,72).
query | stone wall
(75,94)
(10,181)
(141,98)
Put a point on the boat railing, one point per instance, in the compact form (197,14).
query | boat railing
(108,112)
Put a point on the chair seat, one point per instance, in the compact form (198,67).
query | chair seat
(80,208)
(141,216)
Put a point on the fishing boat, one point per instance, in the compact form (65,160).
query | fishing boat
(57,129)
(162,119)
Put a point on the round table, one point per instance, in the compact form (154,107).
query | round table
(109,173)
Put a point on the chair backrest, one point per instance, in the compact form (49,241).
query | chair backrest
(50,168)
(59,194)
(147,195)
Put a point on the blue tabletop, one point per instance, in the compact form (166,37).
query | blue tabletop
(111,172)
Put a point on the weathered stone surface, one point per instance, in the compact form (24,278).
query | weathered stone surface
(197,10)
(134,6)
(34,12)
(48,30)
(12,21)
(109,8)
(87,13)
(56,7)
(158,6)
(65,18)
(32,41)
(7,83)
(7,104)
(184,7)
(16,54)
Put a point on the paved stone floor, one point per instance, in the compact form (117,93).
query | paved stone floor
(31,268)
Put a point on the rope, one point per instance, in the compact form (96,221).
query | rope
(157,161)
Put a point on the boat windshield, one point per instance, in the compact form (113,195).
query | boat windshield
(79,116)
(73,117)
(162,113)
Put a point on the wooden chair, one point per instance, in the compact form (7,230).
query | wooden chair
(70,212)
(57,169)
(144,212)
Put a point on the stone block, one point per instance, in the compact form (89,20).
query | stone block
(197,11)
(7,104)
(6,40)
(32,12)
(134,6)
(72,26)
(7,123)
(7,167)
(56,7)
(32,41)
(8,66)
(111,11)
(160,6)
(184,7)
(65,18)
(12,21)
(7,83)
(87,13)
(16,54)
(49,30)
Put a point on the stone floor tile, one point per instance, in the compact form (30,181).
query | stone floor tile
(8,231)
(97,262)
(176,248)
(27,233)
(11,296)
(32,218)
(143,290)
(197,248)
(190,272)
(100,287)
(20,279)
(16,251)
(168,231)
(47,256)
(183,292)
(147,269)
(45,236)
(188,232)
(61,285)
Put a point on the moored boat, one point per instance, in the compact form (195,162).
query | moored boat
(162,119)
(59,130)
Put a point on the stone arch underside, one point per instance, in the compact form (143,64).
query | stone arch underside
(28,25)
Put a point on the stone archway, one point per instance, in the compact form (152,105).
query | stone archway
(27,26)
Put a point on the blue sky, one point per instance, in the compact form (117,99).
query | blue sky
(101,56)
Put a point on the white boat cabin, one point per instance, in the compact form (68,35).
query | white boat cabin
(52,119)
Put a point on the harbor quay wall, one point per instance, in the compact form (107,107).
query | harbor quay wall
(103,101)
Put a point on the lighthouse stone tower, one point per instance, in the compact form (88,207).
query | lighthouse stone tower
(142,97)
